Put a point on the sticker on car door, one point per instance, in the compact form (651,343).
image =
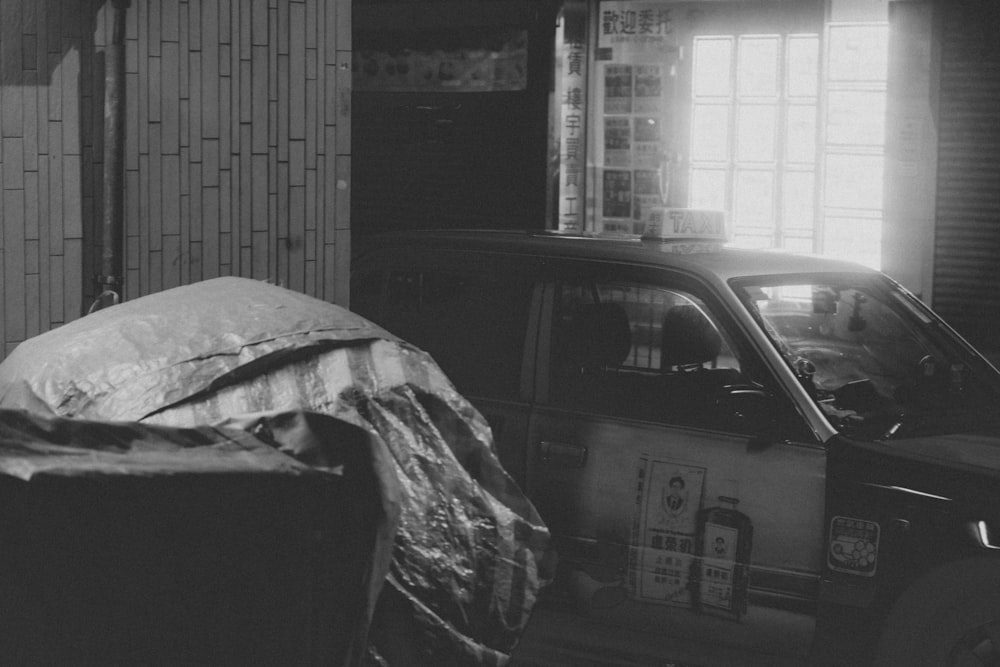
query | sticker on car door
(687,551)
(668,498)
(853,546)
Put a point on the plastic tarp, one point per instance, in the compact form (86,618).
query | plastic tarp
(130,543)
(470,551)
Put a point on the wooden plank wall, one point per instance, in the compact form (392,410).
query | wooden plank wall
(43,104)
(237,151)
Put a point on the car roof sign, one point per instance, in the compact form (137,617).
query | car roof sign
(691,224)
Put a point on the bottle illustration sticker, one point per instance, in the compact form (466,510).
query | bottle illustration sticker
(725,540)
(717,568)
(853,546)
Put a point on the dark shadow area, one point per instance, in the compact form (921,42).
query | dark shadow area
(36,35)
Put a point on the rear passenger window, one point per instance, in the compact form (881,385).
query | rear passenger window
(639,351)
(472,324)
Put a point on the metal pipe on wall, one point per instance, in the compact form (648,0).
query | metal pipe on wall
(114,143)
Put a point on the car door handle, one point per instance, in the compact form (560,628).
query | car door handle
(562,454)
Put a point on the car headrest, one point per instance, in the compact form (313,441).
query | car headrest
(688,338)
(599,335)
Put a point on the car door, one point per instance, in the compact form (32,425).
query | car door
(673,517)
(474,313)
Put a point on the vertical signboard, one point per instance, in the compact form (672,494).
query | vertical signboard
(571,46)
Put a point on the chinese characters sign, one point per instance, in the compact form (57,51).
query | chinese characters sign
(631,26)
(479,62)
(572,55)
(637,54)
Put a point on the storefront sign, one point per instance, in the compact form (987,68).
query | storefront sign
(637,54)
(571,48)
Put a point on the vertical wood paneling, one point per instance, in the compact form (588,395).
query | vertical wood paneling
(237,151)
(14,312)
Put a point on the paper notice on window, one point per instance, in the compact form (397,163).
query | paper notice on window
(617,89)
(617,141)
(617,193)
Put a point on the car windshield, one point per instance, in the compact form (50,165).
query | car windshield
(878,363)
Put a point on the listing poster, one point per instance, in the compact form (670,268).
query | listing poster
(649,144)
(638,52)
(617,89)
(648,89)
(647,195)
(617,141)
(617,199)
(668,499)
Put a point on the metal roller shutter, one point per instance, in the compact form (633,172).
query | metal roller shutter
(967,241)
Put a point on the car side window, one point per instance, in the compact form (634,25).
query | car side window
(641,351)
(473,324)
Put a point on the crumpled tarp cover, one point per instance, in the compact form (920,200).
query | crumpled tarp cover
(125,362)
(471,552)
(37,447)
(33,445)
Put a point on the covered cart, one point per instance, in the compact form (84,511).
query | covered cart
(470,552)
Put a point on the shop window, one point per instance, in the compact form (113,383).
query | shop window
(754,135)
(792,172)
(639,351)
(854,146)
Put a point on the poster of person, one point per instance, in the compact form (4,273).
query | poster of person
(617,89)
(617,189)
(617,141)
(667,507)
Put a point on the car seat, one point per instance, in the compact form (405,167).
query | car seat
(690,347)
(688,340)
(599,336)
(594,340)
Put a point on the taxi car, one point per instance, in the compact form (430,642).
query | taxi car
(744,457)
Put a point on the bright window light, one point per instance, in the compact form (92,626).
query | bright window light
(854,239)
(712,67)
(798,201)
(708,189)
(760,137)
(856,117)
(710,141)
(757,67)
(800,138)
(803,64)
(854,181)
(859,52)
(756,131)
(754,200)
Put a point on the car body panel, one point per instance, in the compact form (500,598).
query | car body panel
(840,526)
